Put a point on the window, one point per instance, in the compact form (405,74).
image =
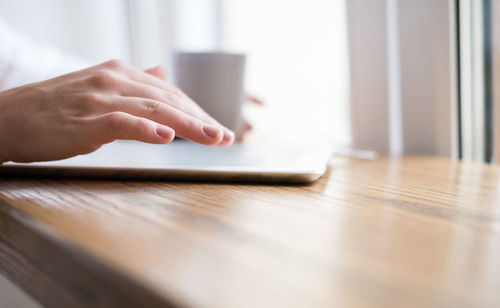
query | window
(297,62)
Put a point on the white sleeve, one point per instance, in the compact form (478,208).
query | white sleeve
(24,61)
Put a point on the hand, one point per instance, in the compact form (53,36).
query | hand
(247,127)
(79,112)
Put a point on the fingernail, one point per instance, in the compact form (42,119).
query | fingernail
(228,138)
(228,135)
(212,131)
(165,132)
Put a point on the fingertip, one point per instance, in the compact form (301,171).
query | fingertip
(166,133)
(254,99)
(216,134)
(225,144)
(228,138)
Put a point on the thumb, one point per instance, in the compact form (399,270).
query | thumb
(158,71)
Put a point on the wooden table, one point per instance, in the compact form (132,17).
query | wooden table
(409,232)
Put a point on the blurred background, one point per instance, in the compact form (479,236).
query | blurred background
(395,76)
(297,50)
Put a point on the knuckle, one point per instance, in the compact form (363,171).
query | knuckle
(193,126)
(115,64)
(142,126)
(103,79)
(151,107)
(115,120)
(176,93)
(172,99)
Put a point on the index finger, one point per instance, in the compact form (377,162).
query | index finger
(177,98)
(184,125)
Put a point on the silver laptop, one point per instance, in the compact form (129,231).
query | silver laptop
(183,160)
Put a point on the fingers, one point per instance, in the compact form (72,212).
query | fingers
(119,125)
(159,72)
(178,111)
(252,99)
(185,126)
(246,128)
(154,77)
(178,104)
(164,92)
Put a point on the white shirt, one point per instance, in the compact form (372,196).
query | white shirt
(23,60)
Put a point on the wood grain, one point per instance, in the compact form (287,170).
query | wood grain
(400,232)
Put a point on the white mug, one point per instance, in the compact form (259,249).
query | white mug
(214,80)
